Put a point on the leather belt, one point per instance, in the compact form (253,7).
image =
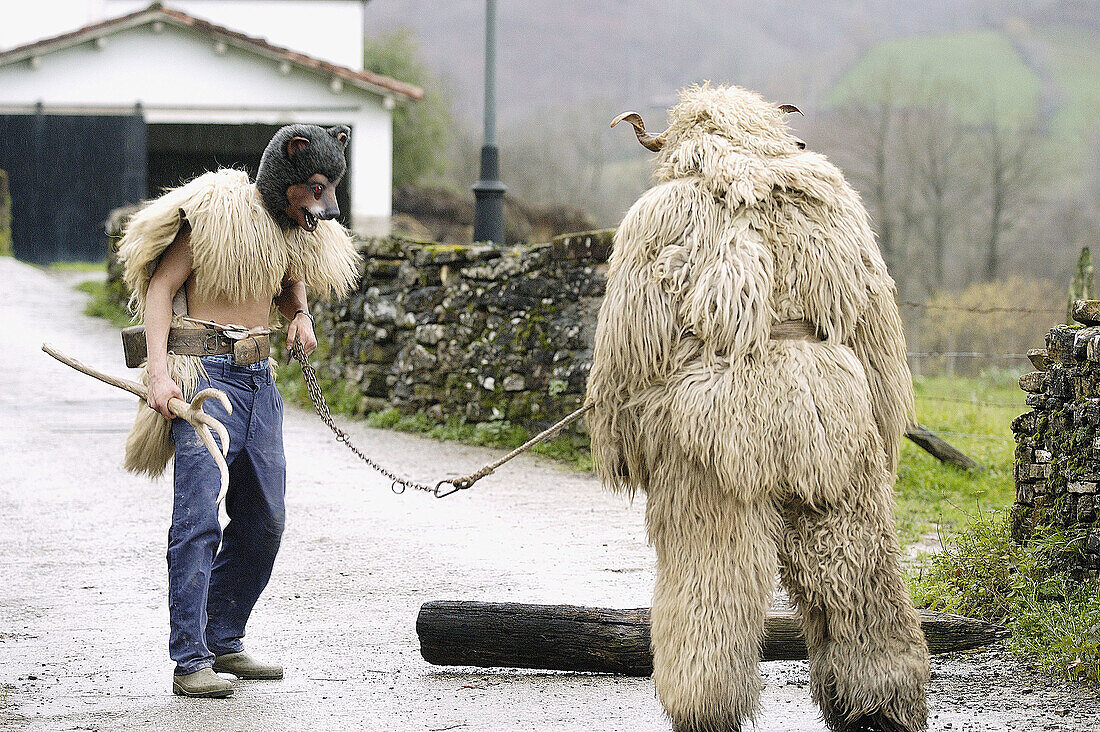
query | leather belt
(794,330)
(197,342)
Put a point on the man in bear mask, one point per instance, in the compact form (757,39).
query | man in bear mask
(224,250)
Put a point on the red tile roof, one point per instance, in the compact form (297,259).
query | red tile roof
(156,12)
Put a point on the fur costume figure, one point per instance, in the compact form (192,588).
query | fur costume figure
(242,245)
(749,375)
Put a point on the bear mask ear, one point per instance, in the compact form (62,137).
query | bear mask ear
(295,145)
(340,133)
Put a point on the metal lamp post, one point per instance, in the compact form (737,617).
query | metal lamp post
(489,190)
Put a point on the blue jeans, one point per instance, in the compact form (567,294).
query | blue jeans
(215,576)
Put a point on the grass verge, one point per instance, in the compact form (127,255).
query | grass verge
(100,304)
(77,266)
(973,414)
(983,573)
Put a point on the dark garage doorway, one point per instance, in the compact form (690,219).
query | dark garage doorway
(66,173)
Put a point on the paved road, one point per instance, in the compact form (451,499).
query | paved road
(83,617)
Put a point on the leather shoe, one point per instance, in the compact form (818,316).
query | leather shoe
(244,666)
(202,684)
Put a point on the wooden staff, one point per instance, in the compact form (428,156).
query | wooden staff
(191,413)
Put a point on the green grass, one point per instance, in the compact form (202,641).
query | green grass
(973,414)
(980,71)
(77,266)
(100,304)
(984,573)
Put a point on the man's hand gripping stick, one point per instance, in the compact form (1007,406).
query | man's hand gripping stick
(192,413)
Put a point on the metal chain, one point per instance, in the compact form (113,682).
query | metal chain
(397,484)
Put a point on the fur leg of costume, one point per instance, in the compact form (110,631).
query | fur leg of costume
(868,659)
(716,564)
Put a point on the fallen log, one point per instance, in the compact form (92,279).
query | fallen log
(940,448)
(576,638)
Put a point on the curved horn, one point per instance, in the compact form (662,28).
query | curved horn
(649,142)
(788,108)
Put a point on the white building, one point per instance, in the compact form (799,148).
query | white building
(130,104)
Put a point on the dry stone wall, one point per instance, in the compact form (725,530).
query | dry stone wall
(1057,465)
(470,330)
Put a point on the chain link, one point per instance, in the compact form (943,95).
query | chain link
(398,484)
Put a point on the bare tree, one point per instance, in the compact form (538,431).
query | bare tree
(1011,162)
(936,146)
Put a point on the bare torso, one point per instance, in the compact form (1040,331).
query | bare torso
(249,313)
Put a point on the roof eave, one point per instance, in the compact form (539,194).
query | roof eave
(68,40)
(247,44)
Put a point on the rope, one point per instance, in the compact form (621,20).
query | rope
(466,481)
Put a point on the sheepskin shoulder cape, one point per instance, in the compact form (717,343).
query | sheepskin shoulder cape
(238,253)
(744,229)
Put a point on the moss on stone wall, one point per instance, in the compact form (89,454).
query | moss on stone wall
(1057,463)
(469,331)
(6,243)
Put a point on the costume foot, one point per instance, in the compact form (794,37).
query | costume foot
(870,723)
(202,684)
(707,726)
(244,666)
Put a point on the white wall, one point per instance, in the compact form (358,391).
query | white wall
(327,29)
(178,77)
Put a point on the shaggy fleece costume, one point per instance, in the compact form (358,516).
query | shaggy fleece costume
(239,252)
(759,454)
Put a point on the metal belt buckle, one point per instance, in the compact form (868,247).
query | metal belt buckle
(210,343)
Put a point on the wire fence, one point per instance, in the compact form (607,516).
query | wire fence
(976,435)
(966,354)
(974,402)
(983,310)
(1010,359)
